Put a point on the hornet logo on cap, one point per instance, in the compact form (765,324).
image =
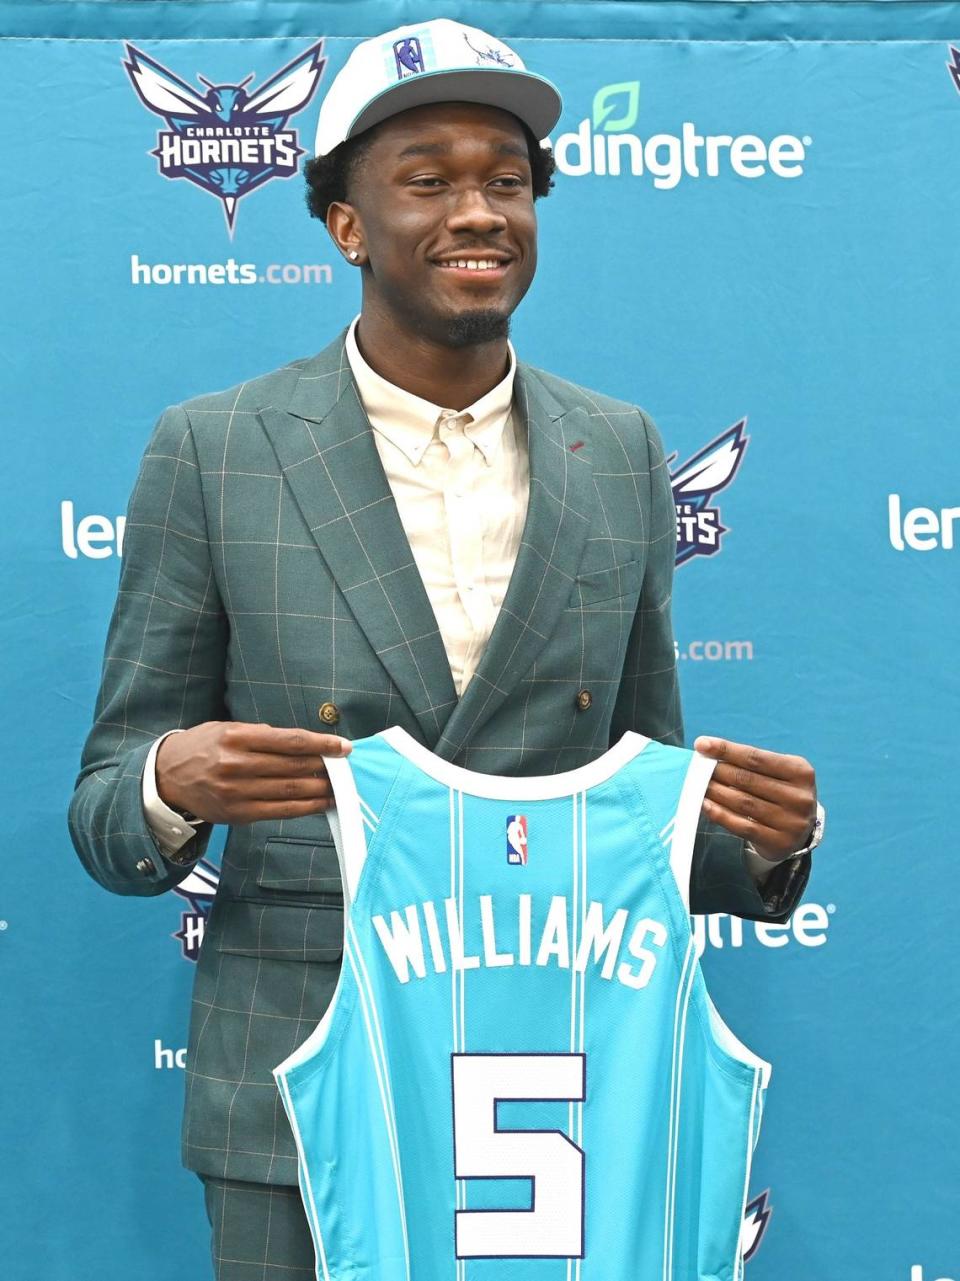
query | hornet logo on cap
(227,141)
(695,482)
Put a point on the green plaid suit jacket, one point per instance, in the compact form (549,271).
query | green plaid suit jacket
(266,572)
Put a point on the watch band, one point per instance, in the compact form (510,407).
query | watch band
(816,836)
(184,856)
(192,819)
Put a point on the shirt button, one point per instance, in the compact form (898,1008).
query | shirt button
(177,831)
(329,713)
(146,866)
(584,700)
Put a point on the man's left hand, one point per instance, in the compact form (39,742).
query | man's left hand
(767,798)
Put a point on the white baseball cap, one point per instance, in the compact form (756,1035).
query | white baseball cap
(436,61)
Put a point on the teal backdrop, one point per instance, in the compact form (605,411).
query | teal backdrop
(774,274)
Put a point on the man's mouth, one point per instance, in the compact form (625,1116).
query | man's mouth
(491,264)
(473,264)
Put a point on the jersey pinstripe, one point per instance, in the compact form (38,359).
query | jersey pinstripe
(521,1076)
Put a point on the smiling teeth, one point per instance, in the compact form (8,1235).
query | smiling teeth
(474,264)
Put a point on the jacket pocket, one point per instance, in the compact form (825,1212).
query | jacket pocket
(279,932)
(606,584)
(298,865)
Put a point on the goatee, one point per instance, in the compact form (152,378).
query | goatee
(473,327)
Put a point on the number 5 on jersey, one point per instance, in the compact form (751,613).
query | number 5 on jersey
(553,1226)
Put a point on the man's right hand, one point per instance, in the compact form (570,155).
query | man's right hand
(234,772)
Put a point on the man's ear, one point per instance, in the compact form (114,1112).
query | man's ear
(346,231)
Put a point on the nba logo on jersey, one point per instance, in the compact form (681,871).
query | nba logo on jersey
(517,838)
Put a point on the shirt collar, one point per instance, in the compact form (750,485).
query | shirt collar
(409,422)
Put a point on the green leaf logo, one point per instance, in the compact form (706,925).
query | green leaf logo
(613,99)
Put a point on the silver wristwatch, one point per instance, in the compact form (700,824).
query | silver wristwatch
(183,857)
(816,836)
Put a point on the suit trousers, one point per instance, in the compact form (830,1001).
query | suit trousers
(259,1232)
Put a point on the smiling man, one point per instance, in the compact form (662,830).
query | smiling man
(410,528)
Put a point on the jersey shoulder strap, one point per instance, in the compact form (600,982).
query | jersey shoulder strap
(362,783)
(669,784)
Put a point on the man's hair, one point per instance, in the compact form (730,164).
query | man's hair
(329,177)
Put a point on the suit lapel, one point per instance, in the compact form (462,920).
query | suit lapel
(551,546)
(326,449)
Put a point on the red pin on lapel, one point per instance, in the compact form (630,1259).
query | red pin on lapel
(577,444)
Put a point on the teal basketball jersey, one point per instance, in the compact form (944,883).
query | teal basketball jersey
(521,1076)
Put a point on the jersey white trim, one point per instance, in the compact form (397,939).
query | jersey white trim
(536,787)
(578,978)
(306,1187)
(756,1105)
(458,976)
(368,1006)
(315,1041)
(346,824)
(731,1044)
(684,989)
(697,779)
(346,821)
(695,784)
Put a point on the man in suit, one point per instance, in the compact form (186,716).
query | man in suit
(409,528)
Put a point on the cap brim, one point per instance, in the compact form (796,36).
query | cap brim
(532,98)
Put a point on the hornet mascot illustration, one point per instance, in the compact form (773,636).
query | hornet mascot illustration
(695,482)
(228,141)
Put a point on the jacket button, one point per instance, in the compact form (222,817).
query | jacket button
(329,713)
(584,700)
(146,866)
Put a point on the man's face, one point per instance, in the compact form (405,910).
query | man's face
(444,202)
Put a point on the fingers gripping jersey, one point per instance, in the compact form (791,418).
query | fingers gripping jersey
(521,1076)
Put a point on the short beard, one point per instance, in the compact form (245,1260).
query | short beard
(470,328)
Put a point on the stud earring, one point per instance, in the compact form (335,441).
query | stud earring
(354,255)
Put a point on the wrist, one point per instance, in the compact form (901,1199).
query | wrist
(816,832)
(166,792)
(815,836)
(171,830)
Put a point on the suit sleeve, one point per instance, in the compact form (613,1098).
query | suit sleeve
(648,702)
(163,666)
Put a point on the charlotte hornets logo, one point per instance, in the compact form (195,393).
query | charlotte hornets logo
(199,889)
(228,140)
(695,482)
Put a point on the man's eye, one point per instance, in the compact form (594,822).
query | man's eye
(426,182)
(509,180)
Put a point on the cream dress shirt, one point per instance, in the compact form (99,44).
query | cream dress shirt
(461,481)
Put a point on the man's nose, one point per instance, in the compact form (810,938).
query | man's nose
(472,211)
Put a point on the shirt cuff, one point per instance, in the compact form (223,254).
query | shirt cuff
(170,829)
(758,866)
